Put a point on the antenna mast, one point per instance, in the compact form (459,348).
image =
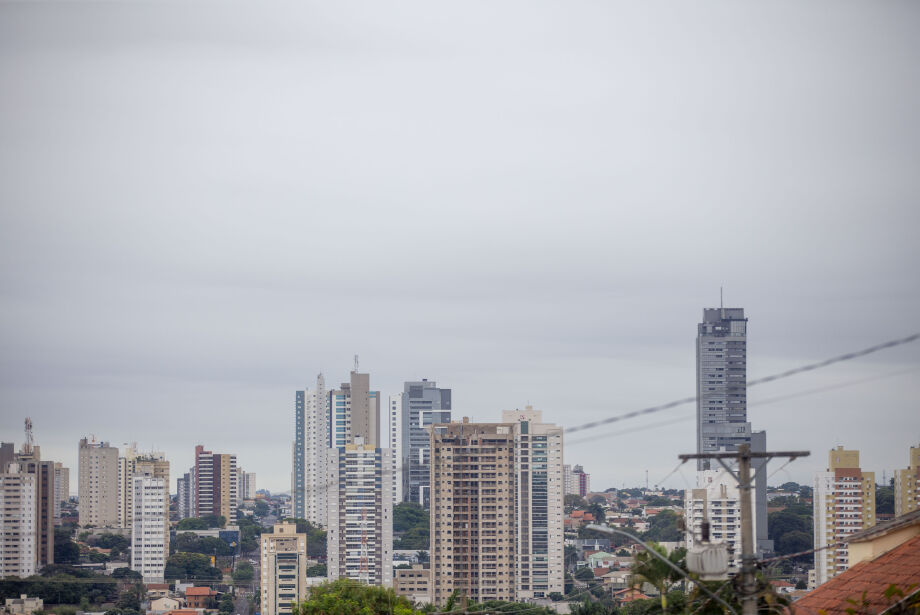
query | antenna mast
(356,363)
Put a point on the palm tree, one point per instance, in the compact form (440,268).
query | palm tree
(650,569)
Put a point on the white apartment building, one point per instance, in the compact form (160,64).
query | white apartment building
(283,569)
(844,503)
(360,530)
(309,491)
(149,538)
(98,484)
(18,522)
(394,440)
(717,499)
(539,513)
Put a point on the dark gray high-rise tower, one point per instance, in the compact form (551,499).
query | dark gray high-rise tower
(423,405)
(721,400)
(721,381)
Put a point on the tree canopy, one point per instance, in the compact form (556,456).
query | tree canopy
(347,597)
(191,566)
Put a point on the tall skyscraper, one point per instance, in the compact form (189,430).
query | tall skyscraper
(394,441)
(496,509)
(360,517)
(215,484)
(354,412)
(907,485)
(149,525)
(98,486)
(133,464)
(283,569)
(844,503)
(422,404)
(721,401)
(538,510)
(311,446)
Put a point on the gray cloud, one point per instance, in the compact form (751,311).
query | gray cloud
(204,204)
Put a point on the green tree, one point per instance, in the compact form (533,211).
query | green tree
(66,550)
(319,570)
(347,597)
(226,604)
(884,500)
(244,572)
(191,566)
(650,569)
(663,527)
(574,502)
(126,573)
(584,574)
(795,542)
(598,511)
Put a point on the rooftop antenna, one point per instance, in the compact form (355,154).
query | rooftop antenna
(721,303)
(356,362)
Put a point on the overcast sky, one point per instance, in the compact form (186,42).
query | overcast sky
(204,204)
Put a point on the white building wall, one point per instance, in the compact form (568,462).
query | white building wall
(148,533)
(18,523)
(394,439)
(718,498)
(822,498)
(316,447)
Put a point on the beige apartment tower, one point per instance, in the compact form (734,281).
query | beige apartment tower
(98,484)
(844,503)
(284,569)
(907,485)
(472,511)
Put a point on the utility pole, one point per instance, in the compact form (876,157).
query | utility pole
(748,558)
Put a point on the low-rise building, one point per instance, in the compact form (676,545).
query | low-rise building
(200,597)
(163,605)
(23,605)
(413,583)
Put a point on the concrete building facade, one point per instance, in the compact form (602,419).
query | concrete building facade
(423,404)
(149,526)
(360,515)
(844,503)
(538,512)
(215,484)
(354,412)
(18,522)
(98,484)
(61,489)
(472,519)
(283,569)
(309,493)
(907,485)
(717,499)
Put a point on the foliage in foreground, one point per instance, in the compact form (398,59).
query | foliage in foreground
(347,597)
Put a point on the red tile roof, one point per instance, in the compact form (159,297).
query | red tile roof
(900,567)
(200,591)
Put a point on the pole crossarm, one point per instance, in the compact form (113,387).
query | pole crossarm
(767,455)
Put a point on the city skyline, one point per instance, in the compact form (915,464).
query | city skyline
(204,207)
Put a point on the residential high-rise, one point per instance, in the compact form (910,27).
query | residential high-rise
(496,508)
(149,525)
(360,517)
(721,401)
(354,412)
(422,404)
(185,495)
(19,521)
(133,464)
(717,499)
(247,486)
(61,489)
(576,481)
(215,484)
(538,513)
(98,484)
(844,503)
(907,485)
(311,446)
(472,516)
(283,569)
(394,440)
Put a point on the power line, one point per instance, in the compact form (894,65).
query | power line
(772,378)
